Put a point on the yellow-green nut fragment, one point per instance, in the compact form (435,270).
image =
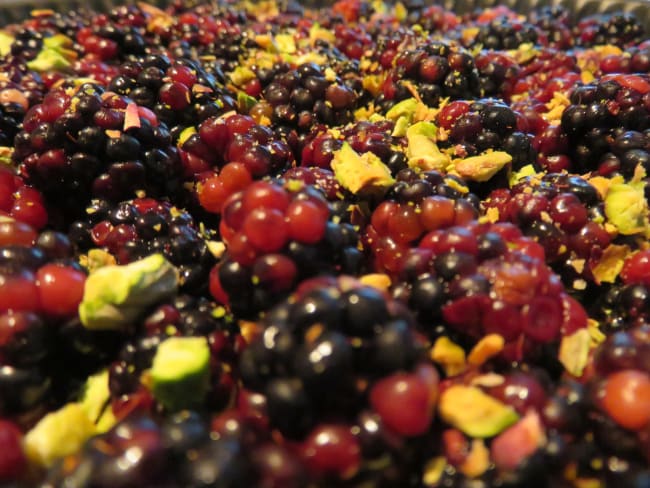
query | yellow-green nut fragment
(49,60)
(626,207)
(360,173)
(96,402)
(474,412)
(482,167)
(6,40)
(181,372)
(58,434)
(422,152)
(404,109)
(114,296)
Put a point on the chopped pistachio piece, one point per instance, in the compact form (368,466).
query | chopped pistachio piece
(95,402)
(116,295)
(574,351)
(181,372)
(422,152)
(482,167)
(626,207)
(6,41)
(58,434)
(49,60)
(405,108)
(475,413)
(360,173)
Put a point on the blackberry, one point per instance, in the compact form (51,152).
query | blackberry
(484,124)
(27,44)
(132,230)
(437,69)
(564,214)
(497,72)
(60,153)
(185,316)
(230,47)
(626,303)
(602,112)
(275,237)
(619,29)
(460,281)
(505,33)
(41,288)
(415,205)
(290,364)
(302,97)
(555,24)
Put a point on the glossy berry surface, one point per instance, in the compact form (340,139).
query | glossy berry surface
(358,245)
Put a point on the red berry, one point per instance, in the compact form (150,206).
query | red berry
(636,269)
(266,229)
(214,133)
(216,290)
(306,222)
(18,292)
(16,233)
(404,224)
(212,194)
(267,195)
(543,319)
(182,74)
(627,398)
(176,95)
(60,289)
(275,272)
(29,211)
(235,177)
(403,401)
(450,113)
(12,457)
(437,213)
(332,450)
(568,212)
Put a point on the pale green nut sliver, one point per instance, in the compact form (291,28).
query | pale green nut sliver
(114,296)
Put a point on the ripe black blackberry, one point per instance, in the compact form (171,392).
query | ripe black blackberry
(623,306)
(75,147)
(11,115)
(365,335)
(302,97)
(257,271)
(163,459)
(132,230)
(506,33)
(152,82)
(497,73)
(605,125)
(27,44)
(486,124)
(436,70)
(554,22)
(620,29)
(230,48)
(131,42)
